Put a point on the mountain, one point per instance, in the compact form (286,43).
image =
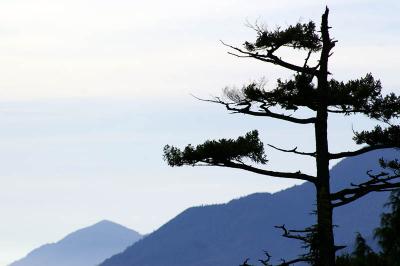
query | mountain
(226,234)
(86,247)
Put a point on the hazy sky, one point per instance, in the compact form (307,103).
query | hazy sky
(91,90)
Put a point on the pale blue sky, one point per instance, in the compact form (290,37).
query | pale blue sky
(91,91)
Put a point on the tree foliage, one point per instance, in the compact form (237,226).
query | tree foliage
(362,255)
(218,152)
(388,234)
(299,36)
(379,136)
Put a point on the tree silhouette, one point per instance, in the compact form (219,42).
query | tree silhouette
(388,233)
(362,255)
(312,89)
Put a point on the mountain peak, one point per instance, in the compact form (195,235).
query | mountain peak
(108,223)
(86,246)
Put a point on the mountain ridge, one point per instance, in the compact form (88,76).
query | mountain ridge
(226,234)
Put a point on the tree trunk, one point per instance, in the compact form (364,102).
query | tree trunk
(326,244)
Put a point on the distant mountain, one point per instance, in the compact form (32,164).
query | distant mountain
(226,234)
(86,247)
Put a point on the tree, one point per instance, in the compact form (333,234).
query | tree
(388,233)
(362,255)
(312,89)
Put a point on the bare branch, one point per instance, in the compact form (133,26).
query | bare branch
(289,234)
(267,260)
(307,58)
(363,192)
(275,115)
(239,56)
(290,262)
(245,263)
(291,175)
(381,182)
(358,152)
(294,150)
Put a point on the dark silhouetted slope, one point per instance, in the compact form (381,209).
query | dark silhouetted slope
(226,234)
(86,247)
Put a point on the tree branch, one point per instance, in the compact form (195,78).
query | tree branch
(347,111)
(283,263)
(290,262)
(358,152)
(294,150)
(378,183)
(273,59)
(361,192)
(288,234)
(246,262)
(276,115)
(307,58)
(266,112)
(291,175)
(266,261)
